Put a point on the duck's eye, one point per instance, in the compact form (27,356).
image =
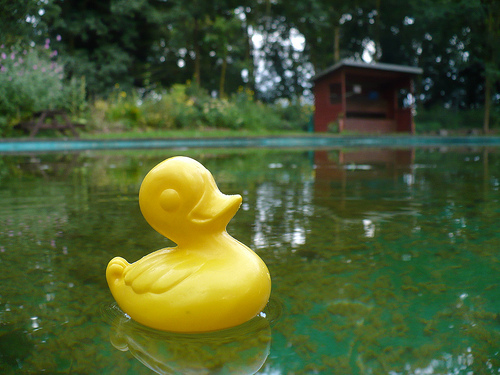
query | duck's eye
(170,200)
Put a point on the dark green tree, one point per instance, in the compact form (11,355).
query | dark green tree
(456,44)
(227,44)
(203,38)
(489,53)
(18,20)
(109,42)
(332,30)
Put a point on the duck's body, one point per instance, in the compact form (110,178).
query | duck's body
(192,290)
(210,281)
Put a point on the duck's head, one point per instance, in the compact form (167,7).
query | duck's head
(180,200)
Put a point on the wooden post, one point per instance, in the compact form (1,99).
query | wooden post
(412,106)
(343,113)
(38,124)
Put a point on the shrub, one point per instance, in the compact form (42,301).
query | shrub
(189,107)
(33,80)
(294,115)
(495,116)
(436,118)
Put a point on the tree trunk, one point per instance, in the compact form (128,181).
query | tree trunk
(378,50)
(222,81)
(493,35)
(336,43)
(487,103)
(197,63)
(249,56)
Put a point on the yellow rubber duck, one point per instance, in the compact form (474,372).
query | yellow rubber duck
(210,281)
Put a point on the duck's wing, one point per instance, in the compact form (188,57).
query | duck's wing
(161,271)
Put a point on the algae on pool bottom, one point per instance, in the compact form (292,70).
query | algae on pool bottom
(383,261)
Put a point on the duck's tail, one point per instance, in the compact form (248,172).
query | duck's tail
(115,269)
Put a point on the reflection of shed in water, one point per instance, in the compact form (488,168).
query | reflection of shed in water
(372,163)
(365,97)
(364,180)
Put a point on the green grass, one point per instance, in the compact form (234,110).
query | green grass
(138,134)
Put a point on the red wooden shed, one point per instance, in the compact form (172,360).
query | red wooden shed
(363,97)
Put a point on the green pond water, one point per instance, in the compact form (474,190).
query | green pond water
(383,261)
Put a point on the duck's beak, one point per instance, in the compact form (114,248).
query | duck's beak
(216,207)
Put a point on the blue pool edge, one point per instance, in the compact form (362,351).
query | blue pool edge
(314,141)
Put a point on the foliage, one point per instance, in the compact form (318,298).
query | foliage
(16,20)
(271,48)
(105,41)
(188,107)
(436,118)
(33,80)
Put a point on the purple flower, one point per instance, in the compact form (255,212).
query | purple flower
(12,55)
(3,69)
(21,60)
(47,41)
(35,67)
(43,69)
(58,38)
(53,53)
(4,56)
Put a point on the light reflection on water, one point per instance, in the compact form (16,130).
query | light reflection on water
(386,260)
(296,208)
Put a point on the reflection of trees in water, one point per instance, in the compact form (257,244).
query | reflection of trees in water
(282,214)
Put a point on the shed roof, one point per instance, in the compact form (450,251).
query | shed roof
(373,66)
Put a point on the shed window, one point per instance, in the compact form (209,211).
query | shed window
(335,93)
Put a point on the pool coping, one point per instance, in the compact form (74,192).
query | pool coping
(306,141)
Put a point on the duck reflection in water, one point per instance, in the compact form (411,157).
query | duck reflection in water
(239,350)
